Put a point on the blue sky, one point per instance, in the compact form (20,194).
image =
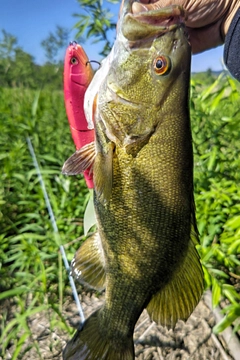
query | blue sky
(32,20)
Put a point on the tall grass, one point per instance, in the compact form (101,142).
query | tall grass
(216,138)
(31,268)
(32,276)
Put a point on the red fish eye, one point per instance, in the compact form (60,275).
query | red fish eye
(161,65)
(74,60)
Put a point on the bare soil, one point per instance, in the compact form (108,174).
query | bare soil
(191,340)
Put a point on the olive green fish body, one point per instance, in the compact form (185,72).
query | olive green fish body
(146,223)
(145,226)
(143,178)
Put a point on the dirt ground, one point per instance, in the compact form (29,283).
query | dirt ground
(191,340)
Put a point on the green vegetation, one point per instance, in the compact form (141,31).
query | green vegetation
(32,274)
(18,68)
(32,277)
(96,22)
(215,115)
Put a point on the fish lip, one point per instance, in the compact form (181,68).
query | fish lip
(163,17)
(150,23)
(173,12)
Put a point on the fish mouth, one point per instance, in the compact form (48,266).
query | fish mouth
(144,21)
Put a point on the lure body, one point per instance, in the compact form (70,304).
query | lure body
(78,74)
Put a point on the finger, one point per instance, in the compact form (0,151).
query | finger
(205,38)
(199,13)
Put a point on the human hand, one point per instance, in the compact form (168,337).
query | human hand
(207,20)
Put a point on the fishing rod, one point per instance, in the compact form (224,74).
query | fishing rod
(55,228)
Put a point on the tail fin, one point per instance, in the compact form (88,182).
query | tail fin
(91,343)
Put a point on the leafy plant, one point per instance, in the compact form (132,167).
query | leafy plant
(96,22)
(215,124)
(32,275)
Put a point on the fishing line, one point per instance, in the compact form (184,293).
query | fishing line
(93,61)
(55,228)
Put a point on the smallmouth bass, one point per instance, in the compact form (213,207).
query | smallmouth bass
(144,252)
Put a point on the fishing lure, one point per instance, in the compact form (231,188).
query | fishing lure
(78,74)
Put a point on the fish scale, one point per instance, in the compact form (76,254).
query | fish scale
(143,188)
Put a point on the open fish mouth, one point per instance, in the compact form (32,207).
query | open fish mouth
(139,21)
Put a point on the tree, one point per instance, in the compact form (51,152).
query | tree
(96,23)
(17,67)
(7,45)
(22,73)
(55,42)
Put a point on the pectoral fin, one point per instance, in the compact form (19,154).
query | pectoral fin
(181,295)
(88,264)
(80,161)
(103,164)
(103,173)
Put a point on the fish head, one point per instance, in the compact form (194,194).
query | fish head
(150,67)
(77,68)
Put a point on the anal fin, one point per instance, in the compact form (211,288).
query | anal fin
(180,296)
(88,264)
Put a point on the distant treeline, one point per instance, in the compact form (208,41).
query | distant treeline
(21,71)
(18,68)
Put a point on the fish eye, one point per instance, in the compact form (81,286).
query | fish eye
(161,64)
(74,60)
